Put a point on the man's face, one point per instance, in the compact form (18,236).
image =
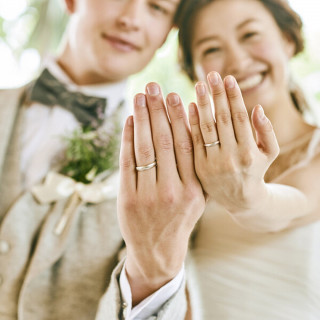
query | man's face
(112,39)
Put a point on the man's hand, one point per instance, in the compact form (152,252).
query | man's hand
(159,207)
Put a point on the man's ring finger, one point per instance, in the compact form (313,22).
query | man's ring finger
(147,166)
(208,145)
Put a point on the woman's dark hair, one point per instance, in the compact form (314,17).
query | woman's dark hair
(288,21)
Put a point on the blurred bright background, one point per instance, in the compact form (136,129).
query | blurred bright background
(30,30)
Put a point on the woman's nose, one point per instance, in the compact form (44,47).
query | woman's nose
(238,59)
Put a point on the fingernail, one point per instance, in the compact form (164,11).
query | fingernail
(230,82)
(192,108)
(140,100)
(153,89)
(201,89)
(173,100)
(213,78)
(261,115)
(130,121)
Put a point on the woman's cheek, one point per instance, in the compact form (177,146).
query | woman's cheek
(264,50)
(213,64)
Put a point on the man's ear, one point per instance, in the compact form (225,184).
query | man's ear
(290,46)
(70,5)
(166,38)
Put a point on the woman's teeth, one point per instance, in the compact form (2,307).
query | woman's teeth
(250,82)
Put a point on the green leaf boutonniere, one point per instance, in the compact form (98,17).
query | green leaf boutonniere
(90,153)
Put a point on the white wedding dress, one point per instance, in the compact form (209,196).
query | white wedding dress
(244,275)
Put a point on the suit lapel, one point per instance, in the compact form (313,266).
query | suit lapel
(9,105)
(11,117)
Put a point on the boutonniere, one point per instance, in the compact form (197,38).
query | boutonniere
(89,158)
(90,153)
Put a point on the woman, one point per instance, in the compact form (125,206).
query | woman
(256,251)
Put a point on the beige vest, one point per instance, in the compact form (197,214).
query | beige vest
(48,277)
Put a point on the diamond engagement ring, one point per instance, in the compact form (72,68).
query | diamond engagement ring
(212,144)
(147,167)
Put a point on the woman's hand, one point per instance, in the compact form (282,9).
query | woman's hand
(158,207)
(230,162)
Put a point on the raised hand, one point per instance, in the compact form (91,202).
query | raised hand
(160,198)
(230,162)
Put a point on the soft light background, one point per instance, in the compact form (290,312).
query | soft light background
(30,30)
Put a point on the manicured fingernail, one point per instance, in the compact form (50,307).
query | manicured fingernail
(213,78)
(230,82)
(140,100)
(261,116)
(153,89)
(192,108)
(201,89)
(173,100)
(130,121)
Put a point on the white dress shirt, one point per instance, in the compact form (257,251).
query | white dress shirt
(44,128)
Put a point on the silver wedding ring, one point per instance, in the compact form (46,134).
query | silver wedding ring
(147,167)
(207,145)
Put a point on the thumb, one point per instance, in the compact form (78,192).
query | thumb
(265,136)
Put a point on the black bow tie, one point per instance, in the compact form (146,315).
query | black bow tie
(90,111)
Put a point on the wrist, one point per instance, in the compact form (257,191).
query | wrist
(148,275)
(260,216)
(252,201)
(153,270)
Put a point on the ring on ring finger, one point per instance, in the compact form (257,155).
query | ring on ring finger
(147,166)
(215,143)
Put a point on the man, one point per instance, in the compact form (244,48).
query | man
(59,258)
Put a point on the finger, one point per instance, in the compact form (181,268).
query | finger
(197,139)
(143,145)
(265,136)
(222,111)
(127,160)
(207,123)
(240,118)
(181,138)
(161,134)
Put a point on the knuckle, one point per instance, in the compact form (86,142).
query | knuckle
(197,139)
(145,151)
(141,115)
(165,142)
(204,102)
(155,105)
(185,147)
(127,163)
(219,91)
(194,122)
(241,117)
(207,126)
(224,118)
(233,94)
(168,195)
(178,113)
(129,204)
(246,158)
